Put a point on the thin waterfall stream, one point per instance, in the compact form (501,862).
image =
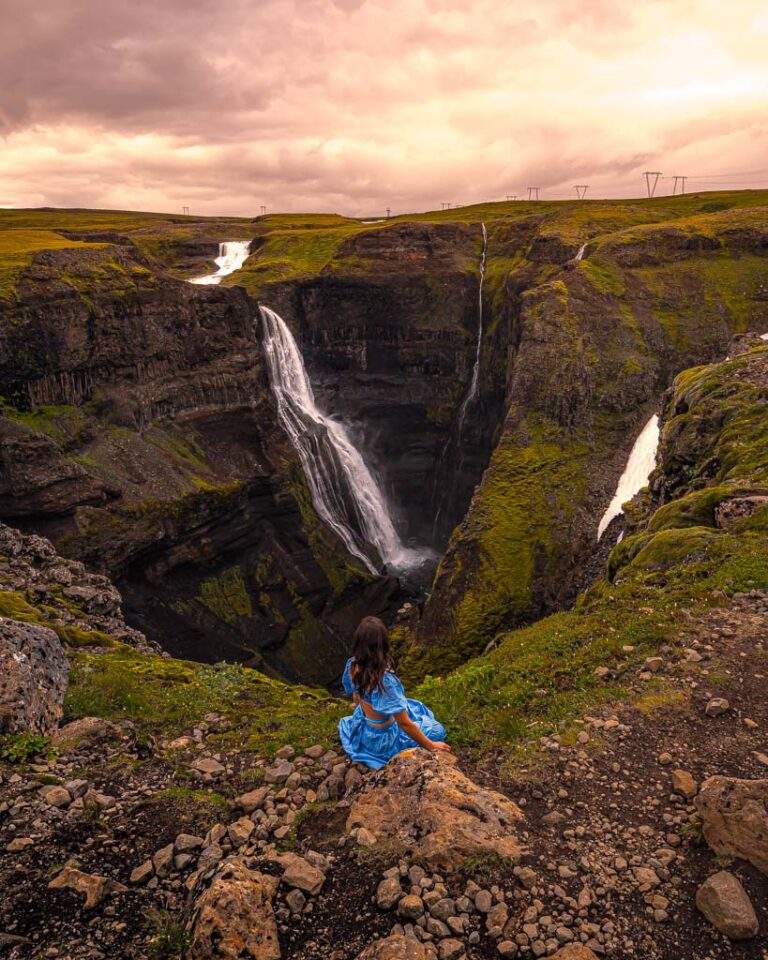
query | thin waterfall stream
(471,393)
(345,492)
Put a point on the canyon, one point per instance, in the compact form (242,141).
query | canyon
(141,434)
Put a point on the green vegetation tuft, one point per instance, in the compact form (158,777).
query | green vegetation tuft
(225,595)
(22,747)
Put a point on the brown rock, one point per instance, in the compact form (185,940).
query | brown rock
(234,917)
(575,951)
(56,796)
(396,947)
(252,800)
(93,887)
(734,815)
(684,784)
(422,803)
(209,767)
(724,902)
(142,873)
(86,730)
(300,873)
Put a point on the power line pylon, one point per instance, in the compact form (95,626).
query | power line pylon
(263,209)
(511,196)
(185,211)
(445,205)
(532,191)
(682,185)
(651,174)
(581,190)
(389,213)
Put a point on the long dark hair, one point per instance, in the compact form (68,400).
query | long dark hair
(370,650)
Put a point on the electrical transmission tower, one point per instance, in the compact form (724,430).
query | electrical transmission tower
(532,191)
(389,213)
(263,209)
(445,205)
(655,174)
(185,211)
(511,196)
(581,190)
(682,185)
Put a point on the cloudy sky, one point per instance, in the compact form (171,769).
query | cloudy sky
(356,105)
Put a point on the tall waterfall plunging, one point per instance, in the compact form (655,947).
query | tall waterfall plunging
(232,255)
(476,369)
(640,465)
(344,492)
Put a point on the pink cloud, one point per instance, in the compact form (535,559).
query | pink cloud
(355,105)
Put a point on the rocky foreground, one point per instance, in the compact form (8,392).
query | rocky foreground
(642,831)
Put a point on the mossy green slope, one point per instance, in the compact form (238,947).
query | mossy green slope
(597,343)
(681,557)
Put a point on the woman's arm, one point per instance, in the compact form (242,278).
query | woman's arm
(408,726)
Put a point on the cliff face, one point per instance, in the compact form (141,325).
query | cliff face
(138,432)
(388,330)
(592,348)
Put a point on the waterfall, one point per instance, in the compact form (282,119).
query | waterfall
(639,467)
(476,369)
(580,253)
(344,492)
(232,255)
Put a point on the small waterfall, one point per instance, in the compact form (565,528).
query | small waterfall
(232,255)
(476,369)
(640,465)
(580,253)
(344,492)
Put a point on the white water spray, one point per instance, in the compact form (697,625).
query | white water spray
(344,492)
(640,465)
(580,253)
(476,369)
(232,255)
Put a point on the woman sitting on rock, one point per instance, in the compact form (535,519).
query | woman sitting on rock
(385,721)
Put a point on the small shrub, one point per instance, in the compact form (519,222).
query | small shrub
(170,940)
(21,747)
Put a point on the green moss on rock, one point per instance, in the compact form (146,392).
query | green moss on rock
(225,595)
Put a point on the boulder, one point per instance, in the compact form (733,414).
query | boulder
(395,947)
(33,678)
(86,730)
(234,919)
(93,887)
(734,816)
(300,873)
(724,902)
(420,803)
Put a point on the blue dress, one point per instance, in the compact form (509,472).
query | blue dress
(375,742)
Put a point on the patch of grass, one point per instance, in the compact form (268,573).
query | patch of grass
(18,247)
(166,696)
(22,747)
(169,939)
